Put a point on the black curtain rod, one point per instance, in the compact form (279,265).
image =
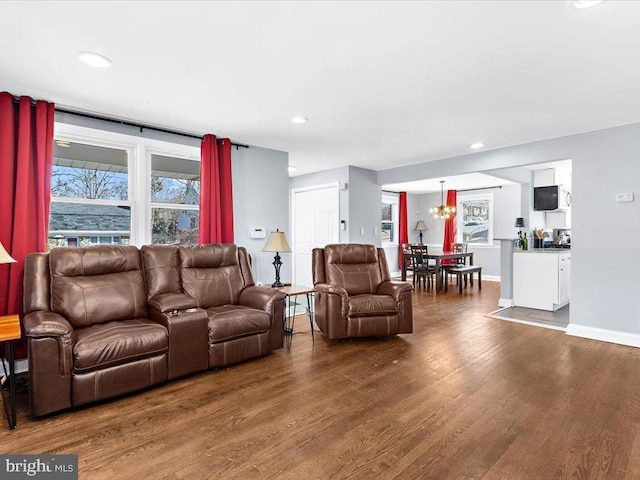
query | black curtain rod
(466,190)
(140,126)
(482,188)
(130,124)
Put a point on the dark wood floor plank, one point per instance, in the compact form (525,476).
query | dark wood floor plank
(464,396)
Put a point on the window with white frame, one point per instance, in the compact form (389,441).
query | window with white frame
(110,188)
(475,219)
(389,227)
(89,195)
(175,200)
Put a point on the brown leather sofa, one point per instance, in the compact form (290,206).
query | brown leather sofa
(243,321)
(355,296)
(99,325)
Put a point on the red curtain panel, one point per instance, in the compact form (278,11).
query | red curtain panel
(26,154)
(216,195)
(450,224)
(403,228)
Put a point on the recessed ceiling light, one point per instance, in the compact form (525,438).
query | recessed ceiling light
(299,119)
(477,145)
(94,59)
(63,143)
(292,168)
(582,4)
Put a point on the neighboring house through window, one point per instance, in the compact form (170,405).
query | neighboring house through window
(109,188)
(475,219)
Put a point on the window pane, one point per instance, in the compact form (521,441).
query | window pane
(387,212)
(80,224)
(175,180)
(475,221)
(387,232)
(88,171)
(174,226)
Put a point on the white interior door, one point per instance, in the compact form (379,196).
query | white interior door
(315,224)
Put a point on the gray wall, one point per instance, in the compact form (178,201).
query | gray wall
(261,199)
(605,162)
(365,200)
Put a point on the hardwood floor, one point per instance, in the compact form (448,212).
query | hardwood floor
(464,396)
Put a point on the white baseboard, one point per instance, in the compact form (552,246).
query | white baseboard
(505,302)
(604,335)
(490,278)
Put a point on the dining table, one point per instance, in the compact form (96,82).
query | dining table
(438,256)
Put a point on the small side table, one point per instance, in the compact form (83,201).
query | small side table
(293,291)
(10,331)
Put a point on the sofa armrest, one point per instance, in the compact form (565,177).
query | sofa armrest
(262,298)
(41,324)
(335,289)
(188,339)
(51,338)
(271,301)
(167,302)
(394,289)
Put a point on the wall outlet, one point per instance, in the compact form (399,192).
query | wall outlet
(375,230)
(624,197)
(362,231)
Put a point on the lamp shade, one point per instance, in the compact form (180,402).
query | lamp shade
(4,255)
(420,225)
(277,242)
(519,222)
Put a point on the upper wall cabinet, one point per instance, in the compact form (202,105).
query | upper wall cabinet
(551,176)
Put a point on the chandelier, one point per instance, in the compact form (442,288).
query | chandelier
(442,211)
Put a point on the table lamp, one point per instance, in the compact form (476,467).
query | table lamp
(277,242)
(420,226)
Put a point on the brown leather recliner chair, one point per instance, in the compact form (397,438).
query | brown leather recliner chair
(241,320)
(87,325)
(355,296)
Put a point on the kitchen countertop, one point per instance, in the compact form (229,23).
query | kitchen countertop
(556,251)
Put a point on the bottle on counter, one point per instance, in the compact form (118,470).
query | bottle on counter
(525,242)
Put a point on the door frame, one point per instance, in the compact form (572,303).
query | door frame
(292,220)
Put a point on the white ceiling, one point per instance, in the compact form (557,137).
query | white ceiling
(383,83)
(457,182)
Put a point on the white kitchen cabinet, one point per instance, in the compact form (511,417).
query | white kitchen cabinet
(551,176)
(558,219)
(541,279)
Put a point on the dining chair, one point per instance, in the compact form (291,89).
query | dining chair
(456,262)
(421,268)
(408,262)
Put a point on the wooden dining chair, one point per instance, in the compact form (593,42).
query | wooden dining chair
(408,262)
(456,262)
(421,268)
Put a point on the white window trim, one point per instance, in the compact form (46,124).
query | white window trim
(394,199)
(139,172)
(459,216)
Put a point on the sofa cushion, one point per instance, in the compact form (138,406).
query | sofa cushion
(370,305)
(97,284)
(115,343)
(211,274)
(234,321)
(353,267)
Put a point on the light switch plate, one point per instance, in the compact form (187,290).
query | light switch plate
(362,231)
(624,197)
